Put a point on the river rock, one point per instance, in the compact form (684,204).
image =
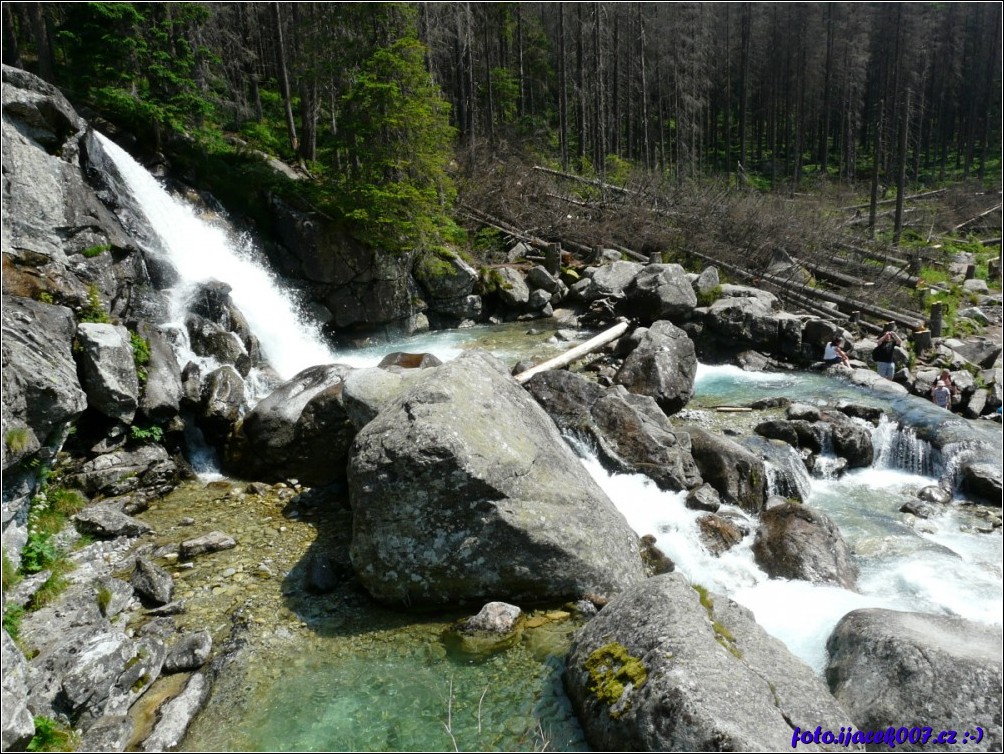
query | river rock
(463,487)
(797,542)
(611,280)
(215,541)
(663,366)
(301,430)
(223,396)
(190,652)
(853,442)
(148,467)
(494,618)
(512,289)
(661,291)
(753,321)
(40,383)
(18,723)
(656,670)
(109,733)
(704,498)
(320,577)
(897,669)
(210,339)
(108,369)
(982,482)
(737,474)
(176,715)
(653,558)
(539,278)
(718,534)
(126,470)
(934,493)
(631,434)
(367,391)
(160,398)
(152,583)
(399,360)
(918,509)
(105,522)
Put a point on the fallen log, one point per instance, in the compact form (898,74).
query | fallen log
(574,354)
(588,181)
(974,219)
(922,195)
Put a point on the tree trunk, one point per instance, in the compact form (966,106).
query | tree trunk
(904,130)
(283,71)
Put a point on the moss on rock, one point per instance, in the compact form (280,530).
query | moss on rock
(613,672)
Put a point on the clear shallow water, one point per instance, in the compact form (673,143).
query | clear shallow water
(399,689)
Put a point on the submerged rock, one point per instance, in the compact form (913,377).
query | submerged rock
(896,669)
(662,668)
(463,488)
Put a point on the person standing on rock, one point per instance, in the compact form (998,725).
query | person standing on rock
(941,395)
(834,354)
(951,390)
(884,354)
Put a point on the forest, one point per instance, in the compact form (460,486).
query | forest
(388,107)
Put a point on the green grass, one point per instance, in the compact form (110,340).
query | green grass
(51,736)
(94,310)
(93,251)
(17,439)
(12,620)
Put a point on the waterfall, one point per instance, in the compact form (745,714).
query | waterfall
(202,249)
(899,447)
(787,475)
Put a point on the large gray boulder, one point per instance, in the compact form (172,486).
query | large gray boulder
(108,369)
(444,276)
(18,724)
(664,668)
(630,432)
(223,397)
(797,542)
(160,399)
(663,365)
(512,289)
(148,467)
(750,319)
(612,280)
(301,430)
(367,391)
(40,386)
(736,473)
(462,489)
(661,291)
(895,669)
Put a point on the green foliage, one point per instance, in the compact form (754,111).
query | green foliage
(618,170)
(709,297)
(140,355)
(38,553)
(136,61)
(94,310)
(53,586)
(140,433)
(12,620)
(434,263)
(394,124)
(51,736)
(45,297)
(104,598)
(17,439)
(93,251)
(488,241)
(10,575)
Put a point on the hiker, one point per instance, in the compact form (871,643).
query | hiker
(884,354)
(833,354)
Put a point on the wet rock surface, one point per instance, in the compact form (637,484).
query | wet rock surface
(798,542)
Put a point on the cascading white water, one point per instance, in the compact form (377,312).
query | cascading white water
(940,565)
(899,448)
(202,250)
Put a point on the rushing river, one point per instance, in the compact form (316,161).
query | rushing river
(338,673)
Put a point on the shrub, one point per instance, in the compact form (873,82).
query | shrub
(140,433)
(94,310)
(93,251)
(12,620)
(51,736)
(16,439)
(140,355)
